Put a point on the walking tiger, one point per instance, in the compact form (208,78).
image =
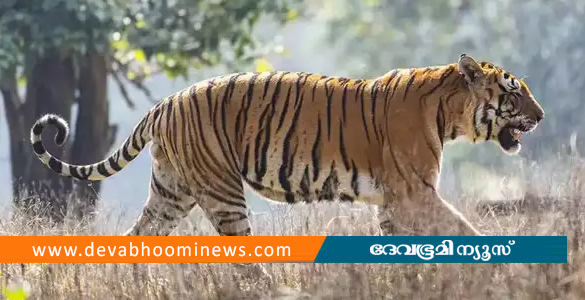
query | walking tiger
(300,137)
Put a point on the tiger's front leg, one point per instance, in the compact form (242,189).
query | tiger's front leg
(424,213)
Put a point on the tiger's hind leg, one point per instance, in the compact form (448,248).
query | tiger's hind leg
(229,216)
(169,200)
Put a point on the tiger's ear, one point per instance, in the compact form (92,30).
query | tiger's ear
(470,69)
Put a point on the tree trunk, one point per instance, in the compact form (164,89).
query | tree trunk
(50,89)
(13,108)
(93,135)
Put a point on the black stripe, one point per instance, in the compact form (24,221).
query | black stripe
(363,110)
(501,99)
(197,157)
(395,87)
(343,197)
(291,161)
(314,89)
(211,166)
(73,170)
(388,91)
(408,85)
(329,95)
(398,169)
(241,113)
(245,162)
(156,117)
(430,146)
(475,129)
(284,109)
(454,132)
(177,207)
(55,165)
(189,129)
(244,232)
(173,121)
(489,131)
(283,172)
(423,180)
(261,171)
(140,130)
(38,128)
(169,115)
(207,152)
(220,198)
(344,104)
(267,83)
(440,119)
(342,149)
(225,152)
(257,154)
(392,91)
(52,120)
(61,133)
(114,164)
(238,126)
(38,148)
(101,168)
(289,197)
(210,85)
(248,103)
(183,127)
(354,179)
(444,77)
(163,191)
(86,171)
(306,185)
(370,168)
(330,185)
(229,217)
(238,215)
(148,213)
(255,185)
(374,96)
(316,151)
(125,153)
(425,79)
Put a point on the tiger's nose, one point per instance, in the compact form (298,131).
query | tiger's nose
(539,116)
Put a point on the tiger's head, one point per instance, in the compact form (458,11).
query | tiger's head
(504,107)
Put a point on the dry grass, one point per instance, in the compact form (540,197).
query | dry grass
(321,281)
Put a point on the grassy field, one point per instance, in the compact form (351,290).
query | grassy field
(564,216)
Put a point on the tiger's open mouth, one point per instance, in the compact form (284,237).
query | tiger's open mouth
(510,136)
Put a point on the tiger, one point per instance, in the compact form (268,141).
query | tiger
(300,137)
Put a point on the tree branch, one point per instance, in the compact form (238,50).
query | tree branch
(123,90)
(123,71)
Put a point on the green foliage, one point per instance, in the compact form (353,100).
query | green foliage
(192,34)
(262,65)
(167,36)
(60,26)
(15,291)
